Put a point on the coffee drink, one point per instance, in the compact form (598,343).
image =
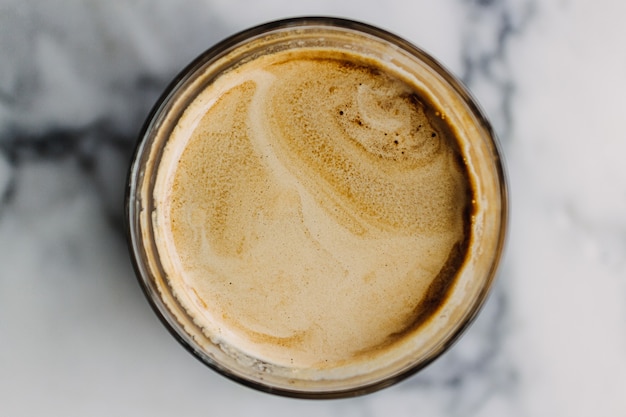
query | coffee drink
(311,200)
(315,210)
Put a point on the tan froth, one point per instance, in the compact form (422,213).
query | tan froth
(319,209)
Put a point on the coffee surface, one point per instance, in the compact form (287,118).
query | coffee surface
(315,208)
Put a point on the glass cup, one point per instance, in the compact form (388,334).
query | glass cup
(479,150)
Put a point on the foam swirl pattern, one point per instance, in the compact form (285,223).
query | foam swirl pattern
(318,209)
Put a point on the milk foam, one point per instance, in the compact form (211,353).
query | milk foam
(313,209)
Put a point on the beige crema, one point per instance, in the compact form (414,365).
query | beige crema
(312,209)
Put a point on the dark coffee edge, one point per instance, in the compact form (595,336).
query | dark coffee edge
(434,299)
(440,289)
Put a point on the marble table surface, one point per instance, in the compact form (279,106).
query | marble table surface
(77,337)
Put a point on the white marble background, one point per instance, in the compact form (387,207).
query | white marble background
(76,335)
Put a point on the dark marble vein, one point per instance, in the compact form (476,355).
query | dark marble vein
(486,60)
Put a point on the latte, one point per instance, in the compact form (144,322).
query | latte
(315,212)
(315,208)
